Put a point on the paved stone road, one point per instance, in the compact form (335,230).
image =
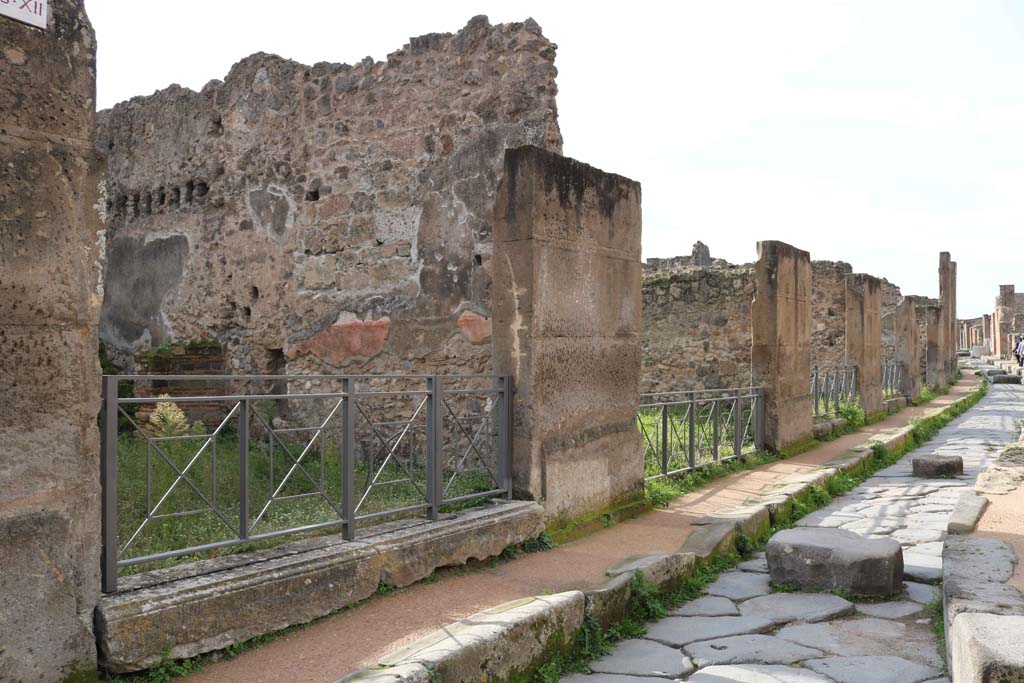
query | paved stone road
(742,632)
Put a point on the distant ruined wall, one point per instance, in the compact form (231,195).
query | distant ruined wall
(828,305)
(891,298)
(335,216)
(696,328)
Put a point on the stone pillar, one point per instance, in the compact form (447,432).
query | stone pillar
(49,371)
(864,337)
(933,374)
(1003,320)
(947,338)
(954,348)
(781,342)
(906,347)
(567,301)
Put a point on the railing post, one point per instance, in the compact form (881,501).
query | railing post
(715,403)
(348,465)
(243,470)
(664,439)
(738,423)
(691,423)
(758,420)
(435,449)
(505,434)
(108,483)
(814,390)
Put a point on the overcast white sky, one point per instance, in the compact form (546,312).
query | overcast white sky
(877,132)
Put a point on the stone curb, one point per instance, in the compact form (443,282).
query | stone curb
(967,512)
(186,607)
(713,536)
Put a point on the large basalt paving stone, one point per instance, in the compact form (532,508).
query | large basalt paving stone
(876,669)
(709,606)
(750,649)
(937,466)
(679,631)
(785,607)
(737,585)
(867,636)
(644,658)
(827,559)
(756,673)
(611,678)
(890,610)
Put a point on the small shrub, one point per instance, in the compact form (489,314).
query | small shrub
(167,419)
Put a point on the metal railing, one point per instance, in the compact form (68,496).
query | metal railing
(350,450)
(892,380)
(831,387)
(685,430)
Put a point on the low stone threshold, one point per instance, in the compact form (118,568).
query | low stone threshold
(210,604)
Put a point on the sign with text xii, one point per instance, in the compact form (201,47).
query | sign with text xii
(29,11)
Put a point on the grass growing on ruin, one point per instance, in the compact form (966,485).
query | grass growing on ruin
(214,515)
(648,603)
(657,422)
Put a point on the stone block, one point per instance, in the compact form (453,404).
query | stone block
(664,570)
(966,514)
(609,603)
(709,541)
(826,559)
(937,466)
(507,642)
(985,648)
(1005,379)
(403,673)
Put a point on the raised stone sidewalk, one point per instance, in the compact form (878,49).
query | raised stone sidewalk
(744,632)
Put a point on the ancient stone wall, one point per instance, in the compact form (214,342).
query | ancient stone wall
(335,215)
(567,310)
(890,299)
(696,328)
(828,303)
(50,265)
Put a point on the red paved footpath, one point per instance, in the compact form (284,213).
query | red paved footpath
(356,638)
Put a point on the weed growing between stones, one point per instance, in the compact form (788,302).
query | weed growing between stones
(937,616)
(648,603)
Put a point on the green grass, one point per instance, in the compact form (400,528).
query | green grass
(676,418)
(322,471)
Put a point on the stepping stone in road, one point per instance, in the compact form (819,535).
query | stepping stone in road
(756,673)
(889,610)
(679,631)
(751,649)
(873,669)
(827,559)
(937,466)
(644,658)
(710,606)
(785,607)
(740,585)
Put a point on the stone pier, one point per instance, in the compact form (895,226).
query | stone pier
(49,371)
(781,342)
(929,316)
(567,300)
(907,351)
(864,337)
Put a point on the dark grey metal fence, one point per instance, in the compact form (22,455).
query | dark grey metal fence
(892,380)
(831,387)
(335,452)
(685,430)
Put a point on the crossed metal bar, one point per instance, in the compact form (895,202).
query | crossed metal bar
(347,512)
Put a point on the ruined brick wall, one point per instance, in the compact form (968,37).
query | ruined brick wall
(891,297)
(337,215)
(696,328)
(828,305)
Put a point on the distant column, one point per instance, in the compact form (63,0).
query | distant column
(934,365)
(781,342)
(906,347)
(567,300)
(864,337)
